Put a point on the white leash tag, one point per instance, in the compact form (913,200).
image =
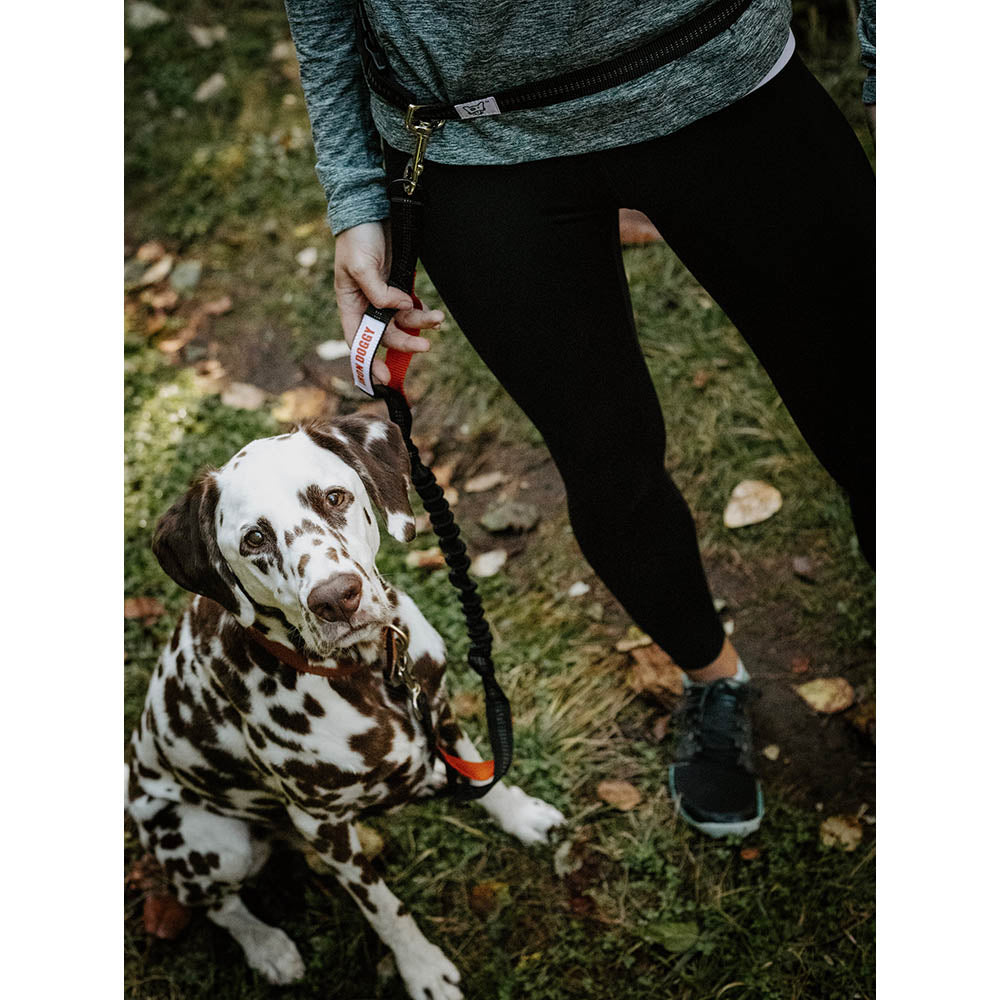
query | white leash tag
(478,109)
(363,349)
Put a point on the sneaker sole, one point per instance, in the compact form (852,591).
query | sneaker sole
(737,828)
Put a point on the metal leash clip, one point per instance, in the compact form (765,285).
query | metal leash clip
(422,131)
(400,674)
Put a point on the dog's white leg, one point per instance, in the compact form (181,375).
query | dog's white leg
(424,968)
(514,811)
(268,949)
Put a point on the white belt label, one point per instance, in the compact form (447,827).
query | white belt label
(366,342)
(478,109)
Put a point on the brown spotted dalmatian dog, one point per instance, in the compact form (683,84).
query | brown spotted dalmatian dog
(236,748)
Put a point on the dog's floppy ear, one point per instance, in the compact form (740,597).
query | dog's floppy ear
(374,448)
(185,545)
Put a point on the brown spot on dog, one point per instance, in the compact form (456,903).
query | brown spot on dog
(303,562)
(268,687)
(297,722)
(312,706)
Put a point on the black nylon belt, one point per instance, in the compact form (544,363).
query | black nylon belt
(672,44)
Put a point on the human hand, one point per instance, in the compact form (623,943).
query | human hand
(361,264)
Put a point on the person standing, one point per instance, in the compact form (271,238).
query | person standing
(754,179)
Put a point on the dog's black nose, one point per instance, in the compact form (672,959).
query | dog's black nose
(336,599)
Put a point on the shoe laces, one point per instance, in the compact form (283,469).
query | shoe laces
(713,722)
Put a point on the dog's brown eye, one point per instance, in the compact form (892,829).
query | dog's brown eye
(335,497)
(254,538)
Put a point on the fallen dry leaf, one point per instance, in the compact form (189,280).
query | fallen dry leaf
(488,563)
(751,502)
(633,639)
(660,728)
(654,673)
(801,664)
(772,751)
(488,898)
(331,350)
(372,842)
(827,694)
(165,298)
(303,403)
(466,704)
(622,795)
(158,271)
(844,832)
(635,228)
(150,252)
(750,853)
(862,717)
(209,375)
(243,396)
(164,916)
(432,558)
(149,609)
(443,472)
(210,88)
(219,306)
(485,481)
(702,377)
(156,322)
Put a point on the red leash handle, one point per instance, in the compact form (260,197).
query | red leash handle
(398,361)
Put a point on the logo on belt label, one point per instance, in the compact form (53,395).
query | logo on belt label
(478,109)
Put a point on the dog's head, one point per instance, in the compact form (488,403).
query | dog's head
(288,524)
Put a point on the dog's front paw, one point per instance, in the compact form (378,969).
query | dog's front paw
(274,955)
(428,974)
(527,818)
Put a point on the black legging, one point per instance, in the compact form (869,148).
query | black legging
(770,204)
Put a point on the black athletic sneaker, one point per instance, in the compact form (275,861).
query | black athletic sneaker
(712,779)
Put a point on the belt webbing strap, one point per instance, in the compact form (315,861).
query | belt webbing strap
(672,44)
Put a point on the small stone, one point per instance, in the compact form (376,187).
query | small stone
(283,50)
(142,15)
(729,627)
(186,276)
(802,567)
(510,515)
(720,603)
(331,350)
(772,752)
(578,589)
(206,37)
(307,258)
(595,611)
(210,88)
(488,563)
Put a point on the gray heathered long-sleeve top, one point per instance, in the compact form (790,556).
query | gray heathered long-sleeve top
(455,50)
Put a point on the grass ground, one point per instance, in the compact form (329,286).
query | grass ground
(627,904)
